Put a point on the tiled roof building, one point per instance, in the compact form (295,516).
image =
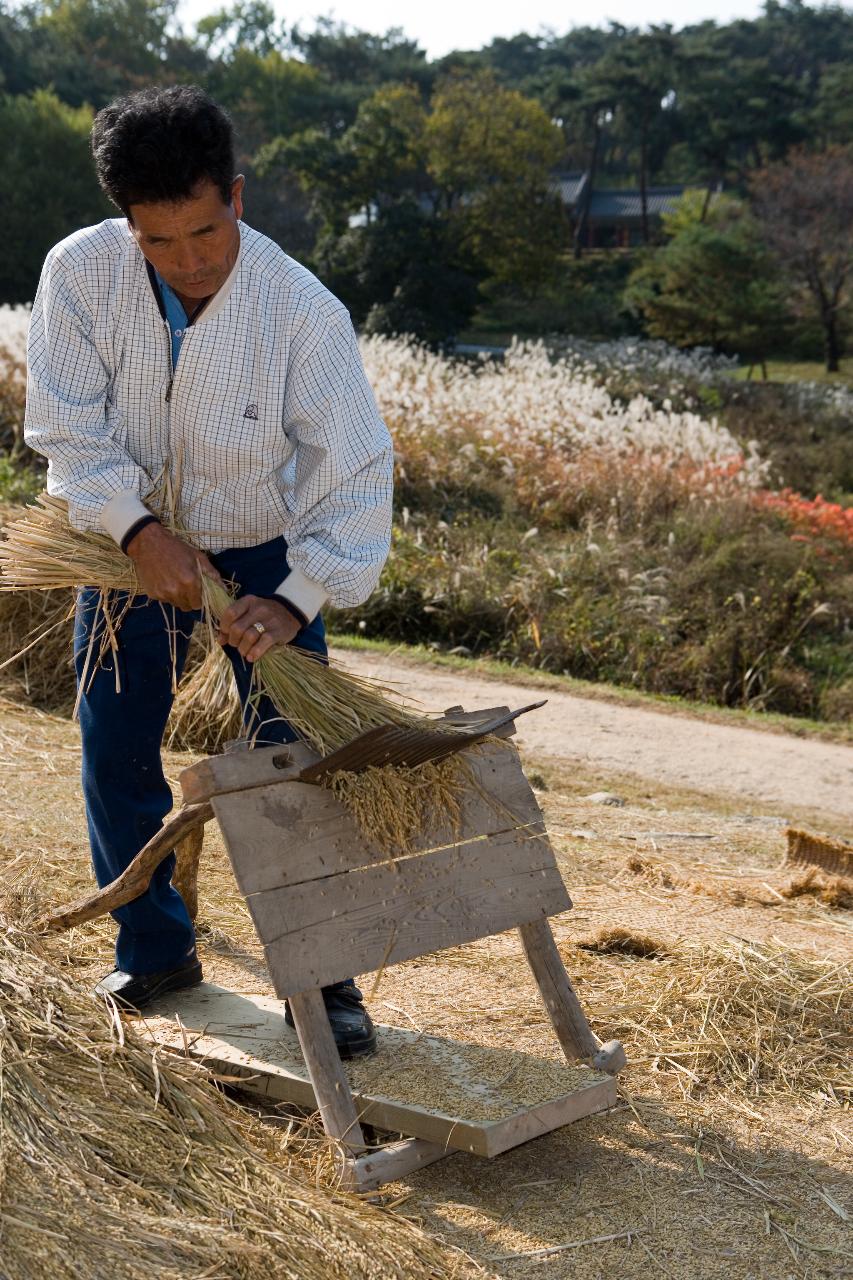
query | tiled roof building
(612,218)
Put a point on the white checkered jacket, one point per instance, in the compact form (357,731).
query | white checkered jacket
(269,424)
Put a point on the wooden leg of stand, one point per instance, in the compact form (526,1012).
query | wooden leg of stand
(576,1036)
(136,876)
(331,1087)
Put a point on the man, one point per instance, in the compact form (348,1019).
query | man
(176,341)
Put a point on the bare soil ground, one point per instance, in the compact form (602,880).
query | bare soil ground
(755,768)
(686,1178)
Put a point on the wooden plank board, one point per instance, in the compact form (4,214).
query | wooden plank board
(325,930)
(280,834)
(242,769)
(246,1036)
(394,1161)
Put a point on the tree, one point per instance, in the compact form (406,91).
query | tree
(489,153)
(736,107)
(635,78)
(17,74)
(425,202)
(48,167)
(805,206)
(833,113)
(712,284)
(352,64)
(247,25)
(89,51)
(269,94)
(387,147)
(402,273)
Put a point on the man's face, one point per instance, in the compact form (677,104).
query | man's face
(194,243)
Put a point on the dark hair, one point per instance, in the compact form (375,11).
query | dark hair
(158,144)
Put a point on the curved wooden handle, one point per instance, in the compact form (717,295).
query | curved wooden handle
(136,877)
(185,876)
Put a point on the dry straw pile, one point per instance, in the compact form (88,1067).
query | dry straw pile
(35,641)
(118,1162)
(35,647)
(755,1020)
(328,707)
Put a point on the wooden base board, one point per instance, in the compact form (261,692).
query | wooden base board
(498,1098)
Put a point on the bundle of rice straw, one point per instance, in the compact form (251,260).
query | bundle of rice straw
(327,707)
(120,1161)
(206,712)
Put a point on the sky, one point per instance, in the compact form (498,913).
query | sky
(442,25)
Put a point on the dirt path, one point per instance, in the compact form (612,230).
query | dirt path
(760,768)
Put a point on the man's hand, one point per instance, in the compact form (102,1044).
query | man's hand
(238,627)
(168,568)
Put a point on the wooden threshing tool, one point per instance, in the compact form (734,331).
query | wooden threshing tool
(327,905)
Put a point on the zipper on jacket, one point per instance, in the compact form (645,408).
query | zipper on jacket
(155,289)
(173,371)
(161,307)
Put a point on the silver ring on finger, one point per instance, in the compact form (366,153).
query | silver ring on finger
(259,627)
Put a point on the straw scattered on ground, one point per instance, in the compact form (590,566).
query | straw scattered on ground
(625,942)
(715,1180)
(832,891)
(763,1019)
(119,1162)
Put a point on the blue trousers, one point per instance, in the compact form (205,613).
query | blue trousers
(125,791)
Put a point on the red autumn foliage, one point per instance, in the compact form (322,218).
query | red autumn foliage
(814,519)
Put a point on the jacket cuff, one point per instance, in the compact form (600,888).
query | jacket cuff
(123,510)
(307,595)
(135,529)
(296,614)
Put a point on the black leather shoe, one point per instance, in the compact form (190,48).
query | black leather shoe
(351,1025)
(136,990)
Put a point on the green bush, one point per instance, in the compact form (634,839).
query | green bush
(20,483)
(584,296)
(47,165)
